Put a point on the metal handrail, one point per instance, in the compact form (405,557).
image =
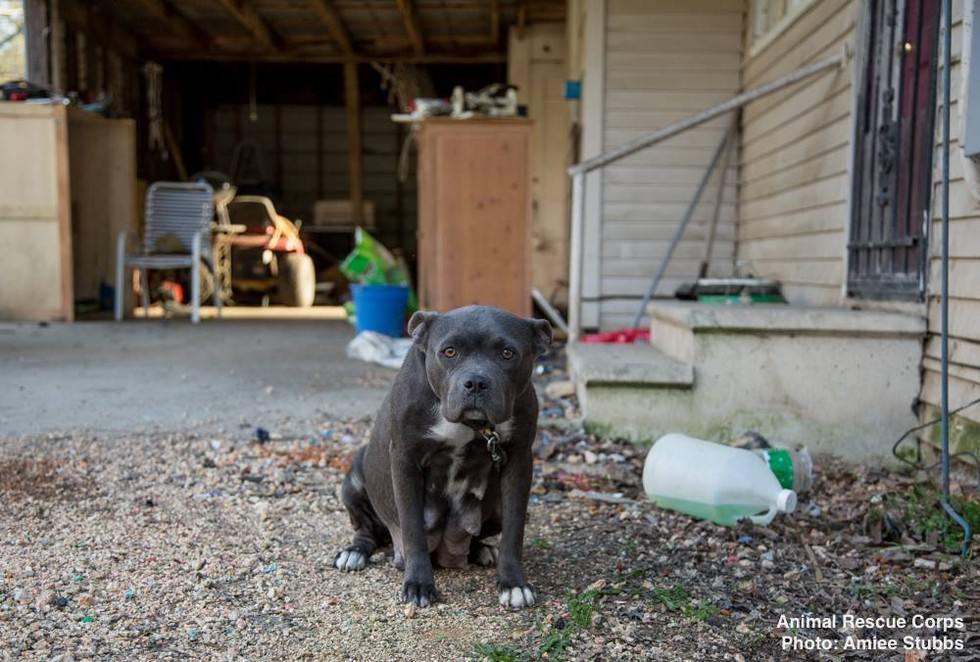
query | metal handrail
(578,171)
(688,215)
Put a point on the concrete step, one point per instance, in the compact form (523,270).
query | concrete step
(674,325)
(626,365)
(614,382)
(834,379)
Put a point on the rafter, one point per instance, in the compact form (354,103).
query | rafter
(177,22)
(407,11)
(250,19)
(335,25)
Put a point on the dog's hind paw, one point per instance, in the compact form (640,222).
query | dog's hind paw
(517,597)
(484,555)
(350,560)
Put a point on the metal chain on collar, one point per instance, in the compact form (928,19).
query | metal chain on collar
(493,445)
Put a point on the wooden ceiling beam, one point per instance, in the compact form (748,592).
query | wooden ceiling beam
(177,22)
(335,25)
(250,19)
(396,42)
(407,11)
(313,57)
(359,7)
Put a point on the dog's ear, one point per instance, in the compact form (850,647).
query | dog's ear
(419,325)
(542,335)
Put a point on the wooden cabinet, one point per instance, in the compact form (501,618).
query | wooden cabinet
(474,214)
(35,216)
(67,187)
(104,201)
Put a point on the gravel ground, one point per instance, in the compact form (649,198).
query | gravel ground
(193,546)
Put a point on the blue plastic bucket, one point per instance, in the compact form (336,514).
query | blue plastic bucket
(380,308)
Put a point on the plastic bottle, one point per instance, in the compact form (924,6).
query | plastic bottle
(713,482)
(794,469)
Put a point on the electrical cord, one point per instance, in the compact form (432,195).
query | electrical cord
(915,465)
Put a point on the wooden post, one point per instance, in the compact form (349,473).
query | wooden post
(278,147)
(37,34)
(56,48)
(399,189)
(352,100)
(319,151)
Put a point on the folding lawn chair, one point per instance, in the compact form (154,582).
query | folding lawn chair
(177,216)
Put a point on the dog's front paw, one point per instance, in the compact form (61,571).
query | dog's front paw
(350,560)
(420,593)
(516,597)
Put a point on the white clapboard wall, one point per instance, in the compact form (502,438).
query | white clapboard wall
(796,146)
(664,60)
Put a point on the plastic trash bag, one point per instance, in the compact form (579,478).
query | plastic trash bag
(378,348)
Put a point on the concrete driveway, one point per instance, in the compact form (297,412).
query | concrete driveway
(172,376)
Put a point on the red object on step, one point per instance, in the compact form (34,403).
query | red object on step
(620,336)
(175,290)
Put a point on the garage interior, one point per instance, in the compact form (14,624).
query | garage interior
(289,99)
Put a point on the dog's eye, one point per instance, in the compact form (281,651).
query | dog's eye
(508,354)
(449,352)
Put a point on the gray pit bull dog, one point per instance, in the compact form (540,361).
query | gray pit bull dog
(449,460)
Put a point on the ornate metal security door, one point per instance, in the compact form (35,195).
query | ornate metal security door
(893,158)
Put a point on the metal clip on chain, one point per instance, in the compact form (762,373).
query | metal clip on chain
(493,444)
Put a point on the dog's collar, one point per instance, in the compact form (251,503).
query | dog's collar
(493,444)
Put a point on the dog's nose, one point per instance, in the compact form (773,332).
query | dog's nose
(475,384)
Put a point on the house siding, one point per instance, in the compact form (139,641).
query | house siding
(664,60)
(794,178)
(964,267)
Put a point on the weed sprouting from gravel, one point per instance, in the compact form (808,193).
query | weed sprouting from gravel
(677,599)
(539,543)
(497,653)
(581,608)
(556,635)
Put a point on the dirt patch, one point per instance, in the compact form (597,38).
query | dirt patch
(40,479)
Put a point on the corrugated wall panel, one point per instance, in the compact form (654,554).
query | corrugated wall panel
(295,169)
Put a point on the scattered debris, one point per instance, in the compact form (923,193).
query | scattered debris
(378,348)
(562,388)
(750,441)
(605,497)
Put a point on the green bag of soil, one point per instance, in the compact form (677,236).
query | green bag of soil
(370,263)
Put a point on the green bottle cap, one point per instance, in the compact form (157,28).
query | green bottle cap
(781,463)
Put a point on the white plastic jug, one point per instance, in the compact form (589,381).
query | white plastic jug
(713,481)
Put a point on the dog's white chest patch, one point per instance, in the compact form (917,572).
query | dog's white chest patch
(456,434)
(459,434)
